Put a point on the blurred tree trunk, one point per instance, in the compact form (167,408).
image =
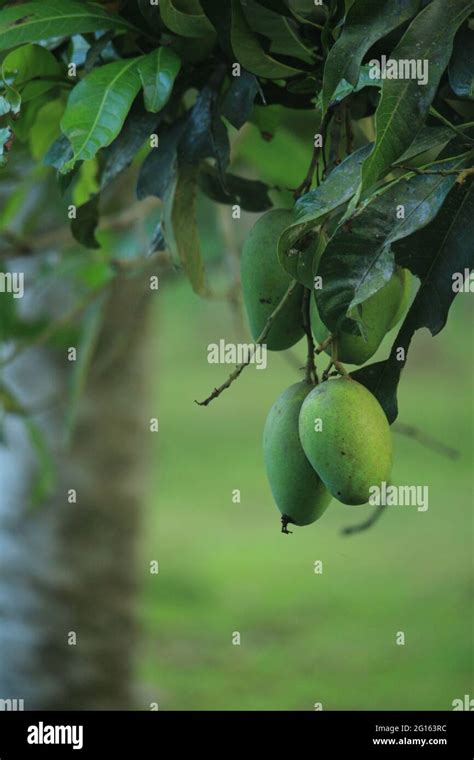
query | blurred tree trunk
(70,568)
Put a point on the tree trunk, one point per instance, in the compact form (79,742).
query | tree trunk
(71,568)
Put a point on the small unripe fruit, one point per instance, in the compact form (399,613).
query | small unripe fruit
(351,446)
(265,282)
(378,314)
(298,491)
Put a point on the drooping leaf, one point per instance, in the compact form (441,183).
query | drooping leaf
(405,103)
(84,226)
(59,153)
(435,254)
(280,29)
(250,54)
(249,194)
(159,168)
(239,99)
(138,127)
(205,135)
(358,259)
(427,139)
(365,23)
(311,208)
(180,227)
(98,106)
(158,70)
(185,18)
(35,21)
(461,65)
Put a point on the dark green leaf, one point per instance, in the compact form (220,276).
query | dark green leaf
(59,153)
(158,170)
(405,103)
(138,127)
(205,135)
(310,209)
(435,254)
(358,259)
(34,21)
(158,70)
(461,66)
(365,23)
(185,18)
(83,227)
(281,30)
(250,194)
(238,102)
(250,54)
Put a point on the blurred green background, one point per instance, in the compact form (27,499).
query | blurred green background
(306,638)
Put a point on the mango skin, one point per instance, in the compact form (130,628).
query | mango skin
(378,314)
(299,493)
(407,281)
(265,282)
(353,450)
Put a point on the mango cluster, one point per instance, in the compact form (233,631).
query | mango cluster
(330,440)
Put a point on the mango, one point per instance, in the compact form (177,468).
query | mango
(299,493)
(265,282)
(378,314)
(346,437)
(407,280)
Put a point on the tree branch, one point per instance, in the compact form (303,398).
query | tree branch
(261,339)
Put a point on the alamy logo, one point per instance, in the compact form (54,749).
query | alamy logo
(11,705)
(42,734)
(463,704)
(399,496)
(391,68)
(237,353)
(12,282)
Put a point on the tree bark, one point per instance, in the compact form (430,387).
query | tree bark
(71,568)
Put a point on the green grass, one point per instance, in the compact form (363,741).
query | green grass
(225,567)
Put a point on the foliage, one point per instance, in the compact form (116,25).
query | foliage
(181,90)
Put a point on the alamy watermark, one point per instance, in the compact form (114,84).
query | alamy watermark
(403,68)
(386,495)
(237,353)
(12,282)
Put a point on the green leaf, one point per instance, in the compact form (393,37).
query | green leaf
(35,21)
(427,139)
(365,23)
(158,70)
(239,99)
(30,62)
(250,194)
(435,254)
(45,128)
(250,54)
(138,127)
(98,106)
(185,17)
(461,66)
(158,170)
(180,227)
(404,104)
(358,260)
(279,29)
(310,209)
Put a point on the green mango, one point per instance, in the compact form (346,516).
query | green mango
(377,314)
(265,282)
(346,437)
(407,280)
(299,493)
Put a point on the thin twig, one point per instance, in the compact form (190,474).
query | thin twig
(261,339)
(311,373)
(359,527)
(426,440)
